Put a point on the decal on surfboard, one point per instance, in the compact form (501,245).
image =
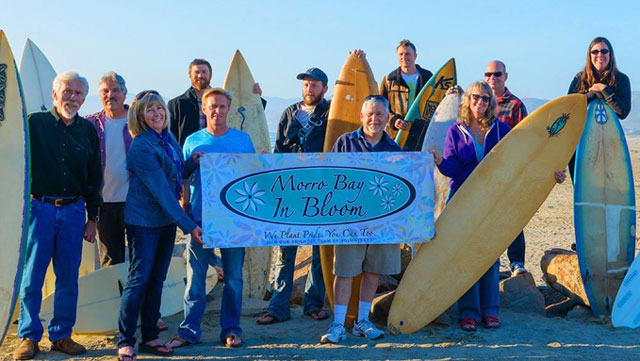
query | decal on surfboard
(241,112)
(557,126)
(601,114)
(444,83)
(3,86)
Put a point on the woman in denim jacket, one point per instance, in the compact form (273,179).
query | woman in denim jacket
(152,212)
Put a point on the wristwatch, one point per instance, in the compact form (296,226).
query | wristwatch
(95,219)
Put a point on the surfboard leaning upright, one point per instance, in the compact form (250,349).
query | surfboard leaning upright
(36,74)
(354,83)
(14,215)
(604,207)
(514,179)
(247,114)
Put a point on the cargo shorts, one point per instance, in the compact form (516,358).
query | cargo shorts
(350,260)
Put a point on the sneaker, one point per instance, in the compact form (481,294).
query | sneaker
(68,346)
(335,334)
(26,350)
(367,329)
(517,268)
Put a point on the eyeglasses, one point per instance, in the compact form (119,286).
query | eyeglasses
(495,73)
(143,93)
(602,51)
(478,97)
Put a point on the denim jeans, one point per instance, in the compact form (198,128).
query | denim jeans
(150,249)
(515,252)
(195,297)
(55,233)
(313,288)
(483,298)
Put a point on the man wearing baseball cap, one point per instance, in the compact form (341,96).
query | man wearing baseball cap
(301,130)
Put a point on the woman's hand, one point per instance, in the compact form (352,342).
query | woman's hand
(455,89)
(560,176)
(196,157)
(437,157)
(196,234)
(598,87)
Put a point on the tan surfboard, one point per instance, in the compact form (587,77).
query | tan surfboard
(354,83)
(484,216)
(247,114)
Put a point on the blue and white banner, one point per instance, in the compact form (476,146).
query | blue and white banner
(253,200)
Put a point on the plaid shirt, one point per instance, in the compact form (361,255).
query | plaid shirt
(511,109)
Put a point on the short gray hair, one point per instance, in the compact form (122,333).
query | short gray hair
(375,99)
(68,76)
(112,75)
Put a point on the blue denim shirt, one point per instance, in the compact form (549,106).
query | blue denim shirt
(151,200)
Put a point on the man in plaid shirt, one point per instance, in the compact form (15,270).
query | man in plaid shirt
(511,110)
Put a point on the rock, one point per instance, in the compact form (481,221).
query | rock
(449,317)
(579,311)
(380,306)
(405,258)
(520,293)
(561,271)
(386,283)
(303,264)
(179,250)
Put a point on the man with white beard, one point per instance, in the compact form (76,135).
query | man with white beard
(66,175)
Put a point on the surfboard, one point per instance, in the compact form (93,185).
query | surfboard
(473,230)
(354,83)
(424,106)
(604,207)
(445,115)
(247,114)
(14,216)
(100,295)
(37,74)
(626,307)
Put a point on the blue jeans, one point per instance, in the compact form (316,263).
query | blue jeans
(313,288)
(54,233)
(195,297)
(483,298)
(515,252)
(150,249)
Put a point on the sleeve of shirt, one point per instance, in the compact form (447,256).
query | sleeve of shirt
(451,165)
(280,138)
(94,177)
(173,118)
(619,99)
(190,165)
(249,145)
(338,146)
(384,91)
(520,113)
(145,165)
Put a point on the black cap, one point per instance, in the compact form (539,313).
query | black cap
(314,73)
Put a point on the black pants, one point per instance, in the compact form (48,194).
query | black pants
(111,245)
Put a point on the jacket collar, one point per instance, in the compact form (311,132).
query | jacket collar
(396,75)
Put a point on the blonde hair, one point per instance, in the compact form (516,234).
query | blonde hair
(138,107)
(464,112)
(212,91)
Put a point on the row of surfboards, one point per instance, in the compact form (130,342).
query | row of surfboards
(515,178)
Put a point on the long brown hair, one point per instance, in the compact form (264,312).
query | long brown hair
(464,112)
(590,76)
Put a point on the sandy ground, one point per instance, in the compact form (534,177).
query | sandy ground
(522,336)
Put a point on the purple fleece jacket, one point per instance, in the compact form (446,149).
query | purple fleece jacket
(459,158)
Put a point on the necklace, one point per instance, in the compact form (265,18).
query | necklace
(477,134)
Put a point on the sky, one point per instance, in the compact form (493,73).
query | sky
(150,43)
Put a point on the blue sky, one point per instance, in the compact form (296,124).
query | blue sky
(150,43)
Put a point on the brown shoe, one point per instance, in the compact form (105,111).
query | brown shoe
(26,350)
(68,346)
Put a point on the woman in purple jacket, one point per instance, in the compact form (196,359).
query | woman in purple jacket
(468,141)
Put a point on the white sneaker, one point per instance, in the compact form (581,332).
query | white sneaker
(335,334)
(517,268)
(367,329)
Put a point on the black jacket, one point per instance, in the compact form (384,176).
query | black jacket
(618,97)
(291,138)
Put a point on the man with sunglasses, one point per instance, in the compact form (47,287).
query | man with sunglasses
(511,110)
(400,88)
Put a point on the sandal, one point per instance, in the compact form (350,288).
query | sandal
(154,350)
(181,342)
(232,340)
(491,322)
(468,324)
(267,319)
(315,314)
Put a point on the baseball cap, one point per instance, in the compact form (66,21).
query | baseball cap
(314,73)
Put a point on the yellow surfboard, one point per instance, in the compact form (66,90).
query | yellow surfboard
(247,114)
(473,230)
(354,83)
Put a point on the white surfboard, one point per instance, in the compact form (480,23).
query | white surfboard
(37,74)
(99,296)
(626,308)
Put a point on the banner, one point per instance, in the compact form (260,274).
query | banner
(253,200)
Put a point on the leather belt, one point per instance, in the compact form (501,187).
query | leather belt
(58,202)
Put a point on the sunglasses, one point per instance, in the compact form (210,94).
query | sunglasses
(143,93)
(478,97)
(603,51)
(496,74)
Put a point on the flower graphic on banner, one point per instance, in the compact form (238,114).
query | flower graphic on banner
(378,185)
(397,189)
(249,197)
(387,202)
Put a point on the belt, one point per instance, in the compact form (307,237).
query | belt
(58,202)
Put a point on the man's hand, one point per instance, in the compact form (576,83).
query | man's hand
(196,234)
(359,53)
(196,157)
(256,89)
(401,124)
(560,176)
(455,89)
(90,231)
